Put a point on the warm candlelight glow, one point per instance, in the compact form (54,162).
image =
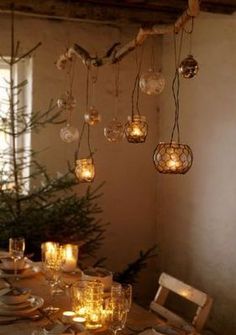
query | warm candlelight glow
(70,257)
(67,316)
(49,251)
(85,170)
(78,319)
(136,129)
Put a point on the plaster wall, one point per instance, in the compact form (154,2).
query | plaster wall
(196,212)
(129,200)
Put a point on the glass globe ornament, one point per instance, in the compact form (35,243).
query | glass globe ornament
(85,170)
(136,129)
(66,102)
(151,82)
(92,117)
(173,158)
(69,134)
(188,68)
(114,131)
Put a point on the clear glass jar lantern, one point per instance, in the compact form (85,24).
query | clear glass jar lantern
(136,129)
(69,134)
(173,158)
(151,82)
(114,131)
(85,170)
(92,117)
(188,67)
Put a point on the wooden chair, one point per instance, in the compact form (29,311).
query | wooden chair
(202,300)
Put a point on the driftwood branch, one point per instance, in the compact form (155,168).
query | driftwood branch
(115,54)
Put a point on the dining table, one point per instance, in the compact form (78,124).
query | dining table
(139,319)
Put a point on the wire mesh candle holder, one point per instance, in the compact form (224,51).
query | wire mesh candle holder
(174,157)
(136,129)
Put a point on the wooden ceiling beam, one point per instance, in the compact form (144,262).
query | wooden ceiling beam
(90,11)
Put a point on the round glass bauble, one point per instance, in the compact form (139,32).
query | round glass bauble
(66,102)
(69,134)
(92,117)
(151,82)
(188,67)
(114,131)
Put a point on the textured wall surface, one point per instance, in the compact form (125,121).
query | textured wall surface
(129,200)
(196,212)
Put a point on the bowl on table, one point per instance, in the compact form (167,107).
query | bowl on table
(15,296)
(9,264)
(100,274)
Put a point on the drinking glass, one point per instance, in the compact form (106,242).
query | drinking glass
(118,314)
(16,250)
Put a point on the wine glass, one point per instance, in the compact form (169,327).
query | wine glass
(16,250)
(118,313)
(127,290)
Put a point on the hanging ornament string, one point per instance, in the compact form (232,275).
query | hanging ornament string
(71,76)
(94,78)
(153,60)
(85,124)
(117,86)
(176,85)
(136,83)
(190,33)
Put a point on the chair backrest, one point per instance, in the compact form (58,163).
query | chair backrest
(202,300)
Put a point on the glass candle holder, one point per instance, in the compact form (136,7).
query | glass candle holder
(48,252)
(85,170)
(70,254)
(136,129)
(94,304)
(78,302)
(173,158)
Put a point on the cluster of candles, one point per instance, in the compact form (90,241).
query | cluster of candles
(89,306)
(68,254)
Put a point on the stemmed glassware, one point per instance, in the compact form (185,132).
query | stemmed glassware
(16,250)
(118,314)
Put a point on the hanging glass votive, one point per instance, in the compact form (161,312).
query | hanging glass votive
(114,131)
(173,158)
(69,134)
(136,129)
(85,170)
(92,117)
(151,82)
(66,102)
(188,67)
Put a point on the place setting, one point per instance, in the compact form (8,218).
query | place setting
(13,264)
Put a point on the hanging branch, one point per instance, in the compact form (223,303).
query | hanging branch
(114,54)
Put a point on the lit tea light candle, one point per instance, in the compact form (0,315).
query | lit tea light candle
(136,131)
(70,257)
(78,319)
(67,316)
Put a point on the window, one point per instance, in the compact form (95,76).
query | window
(23,102)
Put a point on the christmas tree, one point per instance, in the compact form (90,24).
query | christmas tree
(34,204)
